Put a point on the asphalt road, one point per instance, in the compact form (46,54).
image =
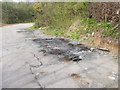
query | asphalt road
(25,66)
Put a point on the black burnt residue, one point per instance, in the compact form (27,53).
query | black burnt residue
(69,51)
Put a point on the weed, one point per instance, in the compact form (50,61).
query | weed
(75,34)
(33,27)
(115,35)
(88,21)
(104,24)
(108,31)
(58,32)
(92,42)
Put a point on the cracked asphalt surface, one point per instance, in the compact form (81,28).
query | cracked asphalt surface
(31,59)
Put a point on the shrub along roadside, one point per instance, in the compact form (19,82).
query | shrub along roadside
(17,12)
(60,16)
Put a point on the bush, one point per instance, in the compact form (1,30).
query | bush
(17,12)
(58,15)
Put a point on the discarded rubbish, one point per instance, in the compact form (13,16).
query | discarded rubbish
(93,33)
(103,49)
(80,57)
(92,49)
(113,76)
(76,58)
(114,73)
(77,53)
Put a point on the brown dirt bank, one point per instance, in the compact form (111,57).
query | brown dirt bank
(100,41)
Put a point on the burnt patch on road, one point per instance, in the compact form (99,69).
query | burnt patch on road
(69,51)
(65,49)
(64,40)
(57,52)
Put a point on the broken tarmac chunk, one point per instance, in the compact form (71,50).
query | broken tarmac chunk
(74,75)
(43,51)
(67,60)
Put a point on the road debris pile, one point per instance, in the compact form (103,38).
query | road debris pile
(64,48)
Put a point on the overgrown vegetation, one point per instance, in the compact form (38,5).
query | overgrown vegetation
(17,12)
(60,16)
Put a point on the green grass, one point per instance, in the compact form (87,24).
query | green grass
(34,27)
(57,32)
(104,24)
(75,34)
(60,16)
(86,26)
(54,32)
(88,21)
(109,30)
